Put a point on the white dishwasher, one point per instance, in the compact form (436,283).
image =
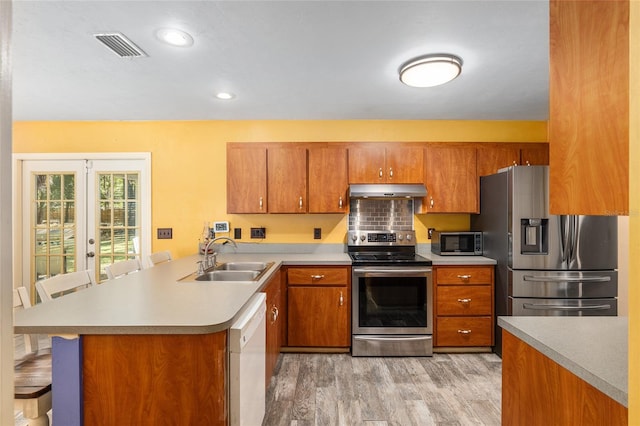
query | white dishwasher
(247,341)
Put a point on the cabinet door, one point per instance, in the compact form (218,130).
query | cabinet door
(450,177)
(492,158)
(246,180)
(589,107)
(318,316)
(404,165)
(328,180)
(273,292)
(366,165)
(535,155)
(287,181)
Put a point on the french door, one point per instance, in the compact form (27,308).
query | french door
(79,214)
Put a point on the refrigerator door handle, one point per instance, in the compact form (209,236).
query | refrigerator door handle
(566,279)
(537,307)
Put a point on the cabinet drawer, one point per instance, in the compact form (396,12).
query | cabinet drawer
(318,276)
(463,300)
(464,275)
(463,331)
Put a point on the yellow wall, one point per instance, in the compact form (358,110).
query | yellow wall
(189,165)
(634,214)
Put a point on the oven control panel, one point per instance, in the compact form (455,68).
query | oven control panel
(381,238)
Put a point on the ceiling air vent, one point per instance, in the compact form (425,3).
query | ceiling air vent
(120,45)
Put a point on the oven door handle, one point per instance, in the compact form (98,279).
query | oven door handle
(399,272)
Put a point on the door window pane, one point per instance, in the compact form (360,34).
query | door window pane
(119,210)
(53,225)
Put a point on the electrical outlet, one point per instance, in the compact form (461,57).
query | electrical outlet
(258,232)
(430,232)
(237,233)
(317,233)
(165,233)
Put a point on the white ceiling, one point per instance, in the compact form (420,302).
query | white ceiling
(282,59)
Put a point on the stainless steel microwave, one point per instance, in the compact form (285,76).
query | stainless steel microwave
(450,243)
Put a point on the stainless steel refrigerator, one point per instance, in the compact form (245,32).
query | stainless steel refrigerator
(547,265)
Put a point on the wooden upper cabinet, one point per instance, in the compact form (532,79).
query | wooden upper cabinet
(535,154)
(328,180)
(287,180)
(405,165)
(246,179)
(493,157)
(589,107)
(366,165)
(398,164)
(451,180)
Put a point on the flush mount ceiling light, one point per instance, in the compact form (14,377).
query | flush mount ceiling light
(174,37)
(225,96)
(431,70)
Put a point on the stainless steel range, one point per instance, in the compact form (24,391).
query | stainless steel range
(392,295)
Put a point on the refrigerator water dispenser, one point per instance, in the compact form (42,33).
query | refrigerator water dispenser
(534,236)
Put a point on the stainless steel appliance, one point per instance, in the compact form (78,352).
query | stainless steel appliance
(547,265)
(392,295)
(450,243)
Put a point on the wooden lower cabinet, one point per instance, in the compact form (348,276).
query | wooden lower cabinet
(276,314)
(319,306)
(464,306)
(155,379)
(538,391)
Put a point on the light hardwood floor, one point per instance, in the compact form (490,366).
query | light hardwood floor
(337,389)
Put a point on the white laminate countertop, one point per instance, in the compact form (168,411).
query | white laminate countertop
(153,301)
(458,260)
(593,348)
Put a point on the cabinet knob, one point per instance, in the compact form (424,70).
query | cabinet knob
(300,203)
(340,203)
(464,331)
(527,162)
(274,314)
(464,277)
(341,300)
(260,203)
(380,173)
(465,300)
(317,277)
(390,172)
(431,202)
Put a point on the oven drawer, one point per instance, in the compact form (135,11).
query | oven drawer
(318,276)
(464,275)
(473,331)
(464,300)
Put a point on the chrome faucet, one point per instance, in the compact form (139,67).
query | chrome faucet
(207,263)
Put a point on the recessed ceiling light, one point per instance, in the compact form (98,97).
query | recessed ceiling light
(174,37)
(225,95)
(431,70)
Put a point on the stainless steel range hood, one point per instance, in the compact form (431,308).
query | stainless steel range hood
(381,190)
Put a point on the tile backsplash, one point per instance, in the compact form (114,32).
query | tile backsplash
(381,214)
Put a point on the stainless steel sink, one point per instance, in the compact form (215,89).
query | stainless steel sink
(243,266)
(216,275)
(231,271)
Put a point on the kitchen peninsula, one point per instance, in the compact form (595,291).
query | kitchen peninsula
(564,370)
(147,349)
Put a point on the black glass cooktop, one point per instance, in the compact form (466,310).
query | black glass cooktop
(386,258)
